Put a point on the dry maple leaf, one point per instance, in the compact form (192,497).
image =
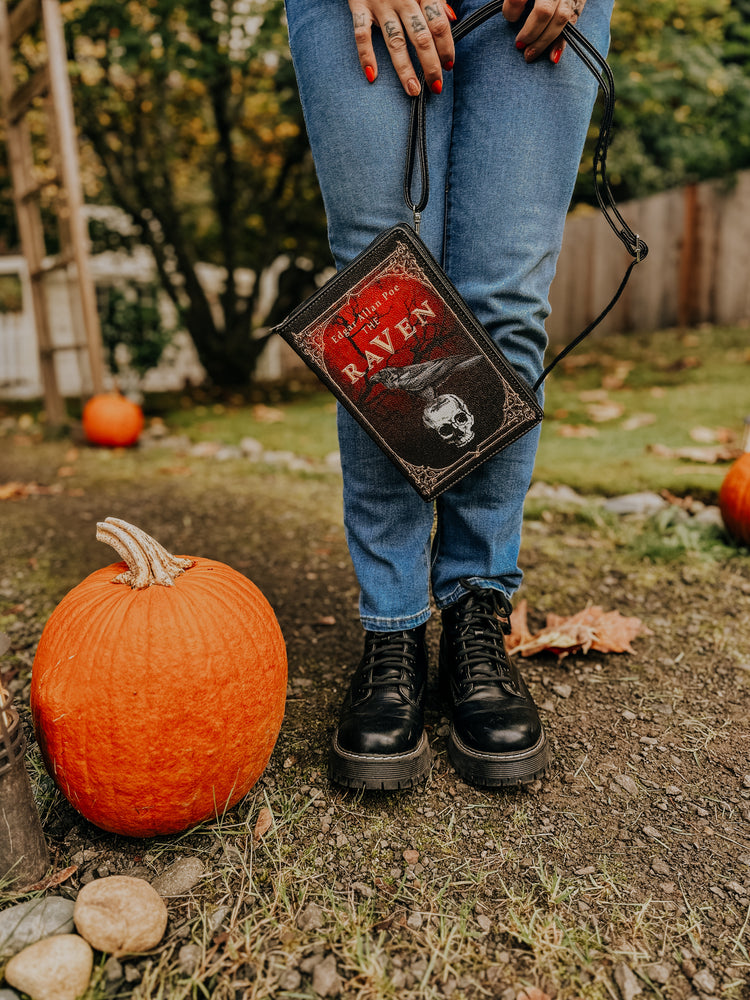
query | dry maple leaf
(263,824)
(592,628)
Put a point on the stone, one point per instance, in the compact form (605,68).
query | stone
(311,918)
(643,504)
(113,970)
(659,867)
(180,877)
(189,957)
(251,448)
(627,982)
(627,782)
(56,968)
(326,981)
(26,923)
(705,982)
(290,980)
(658,972)
(120,915)
(562,690)
(9,995)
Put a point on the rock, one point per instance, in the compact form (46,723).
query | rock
(557,494)
(415,920)
(643,504)
(629,784)
(189,957)
(326,980)
(651,832)
(252,448)
(26,923)
(363,890)
(658,972)
(659,867)
(311,918)
(705,981)
(562,690)
(179,878)
(113,970)
(9,995)
(710,516)
(57,968)
(627,982)
(290,980)
(120,915)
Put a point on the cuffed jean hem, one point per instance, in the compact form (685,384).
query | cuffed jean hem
(395,624)
(460,591)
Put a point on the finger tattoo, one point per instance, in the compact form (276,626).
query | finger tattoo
(359,19)
(431,12)
(391,29)
(417,24)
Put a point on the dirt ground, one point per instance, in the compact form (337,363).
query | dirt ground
(624,872)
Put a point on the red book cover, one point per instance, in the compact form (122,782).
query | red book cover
(396,344)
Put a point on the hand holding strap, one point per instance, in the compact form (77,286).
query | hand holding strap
(593,60)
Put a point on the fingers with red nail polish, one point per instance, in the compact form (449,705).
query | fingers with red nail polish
(450,12)
(369,73)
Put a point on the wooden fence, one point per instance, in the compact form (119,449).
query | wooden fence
(697,271)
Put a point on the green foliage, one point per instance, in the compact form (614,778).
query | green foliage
(682,75)
(193,114)
(130,319)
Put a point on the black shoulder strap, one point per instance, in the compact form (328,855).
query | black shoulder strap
(593,60)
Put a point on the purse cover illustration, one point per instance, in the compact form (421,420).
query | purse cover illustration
(394,341)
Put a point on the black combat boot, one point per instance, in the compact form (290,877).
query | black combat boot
(380,741)
(496,736)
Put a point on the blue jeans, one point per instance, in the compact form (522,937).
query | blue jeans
(504,145)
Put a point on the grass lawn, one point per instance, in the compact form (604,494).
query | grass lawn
(612,410)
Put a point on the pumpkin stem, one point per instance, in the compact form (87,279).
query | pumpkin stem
(148,562)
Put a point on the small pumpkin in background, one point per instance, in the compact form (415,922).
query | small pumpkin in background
(112,420)
(158,688)
(734,499)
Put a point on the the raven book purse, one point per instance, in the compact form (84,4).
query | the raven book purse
(399,348)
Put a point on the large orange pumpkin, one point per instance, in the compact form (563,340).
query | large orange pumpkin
(112,420)
(734,499)
(158,688)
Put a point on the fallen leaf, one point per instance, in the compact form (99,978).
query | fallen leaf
(19,491)
(712,435)
(638,420)
(590,629)
(594,396)
(175,470)
(267,414)
(576,431)
(53,880)
(601,412)
(263,824)
(709,455)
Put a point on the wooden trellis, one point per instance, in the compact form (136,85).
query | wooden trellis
(51,83)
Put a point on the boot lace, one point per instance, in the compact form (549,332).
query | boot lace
(478,640)
(389,662)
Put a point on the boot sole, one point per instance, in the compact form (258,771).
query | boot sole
(378,772)
(494,770)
